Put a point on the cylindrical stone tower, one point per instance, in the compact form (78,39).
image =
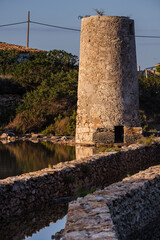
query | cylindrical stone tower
(108,86)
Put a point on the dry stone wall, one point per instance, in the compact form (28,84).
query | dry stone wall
(118,211)
(28,191)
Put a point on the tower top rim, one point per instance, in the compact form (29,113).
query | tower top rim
(106,17)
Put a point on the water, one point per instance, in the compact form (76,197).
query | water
(22,157)
(50,231)
(42,223)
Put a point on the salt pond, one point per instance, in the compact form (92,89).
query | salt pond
(22,157)
(39,224)
(50,231)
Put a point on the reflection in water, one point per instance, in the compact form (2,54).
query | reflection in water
(49,232)
(84,151)
(32,222)
(22,157)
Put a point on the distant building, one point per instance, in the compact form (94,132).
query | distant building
(8,46)
(149,71)
(157,65)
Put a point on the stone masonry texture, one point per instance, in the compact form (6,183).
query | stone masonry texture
(108,84)
(29,191)
(117,211)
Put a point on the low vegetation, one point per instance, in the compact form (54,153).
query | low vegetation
(82,192)
(147,141)
(49,83)
(149,96)
(46,83)
(108,149)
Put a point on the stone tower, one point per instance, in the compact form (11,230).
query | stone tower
(108,86)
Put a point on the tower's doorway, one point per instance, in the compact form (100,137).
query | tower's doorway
(118,134)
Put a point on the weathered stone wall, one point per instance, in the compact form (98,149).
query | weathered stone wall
(28,191)
(118,211)
(107,85)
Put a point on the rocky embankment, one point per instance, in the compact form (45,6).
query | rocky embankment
(9,136)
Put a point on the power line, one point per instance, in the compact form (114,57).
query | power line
(65,28)
(148,36)
(49,25)
(150,67)
(12,24)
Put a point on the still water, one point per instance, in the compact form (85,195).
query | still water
(40,224)
(22,157)
(50,231)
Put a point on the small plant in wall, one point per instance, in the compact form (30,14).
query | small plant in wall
(68,179)
(82,191)
(86,170)
(99,12)
(147,141)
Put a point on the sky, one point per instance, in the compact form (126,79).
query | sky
(146,14)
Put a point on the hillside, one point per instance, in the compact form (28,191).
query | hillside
(46,83)
(38,93)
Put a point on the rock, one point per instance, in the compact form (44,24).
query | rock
(64,138)
(4,135)
(58,235)
(53,137)
(8,134)
(34,136)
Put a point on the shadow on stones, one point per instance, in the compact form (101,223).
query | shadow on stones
(150,232)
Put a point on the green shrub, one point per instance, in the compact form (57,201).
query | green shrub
(68,179)
(49,130)
(86,170)
(82,192)
(108,149)
(158,68)
(65,126)
(50,79)
(147,141)
(149,94)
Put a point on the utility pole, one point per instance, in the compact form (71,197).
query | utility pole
(28,29)
(146,73)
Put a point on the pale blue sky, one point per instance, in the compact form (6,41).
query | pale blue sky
(146,14)
(48,231)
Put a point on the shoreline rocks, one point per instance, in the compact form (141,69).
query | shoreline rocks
(10,137)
